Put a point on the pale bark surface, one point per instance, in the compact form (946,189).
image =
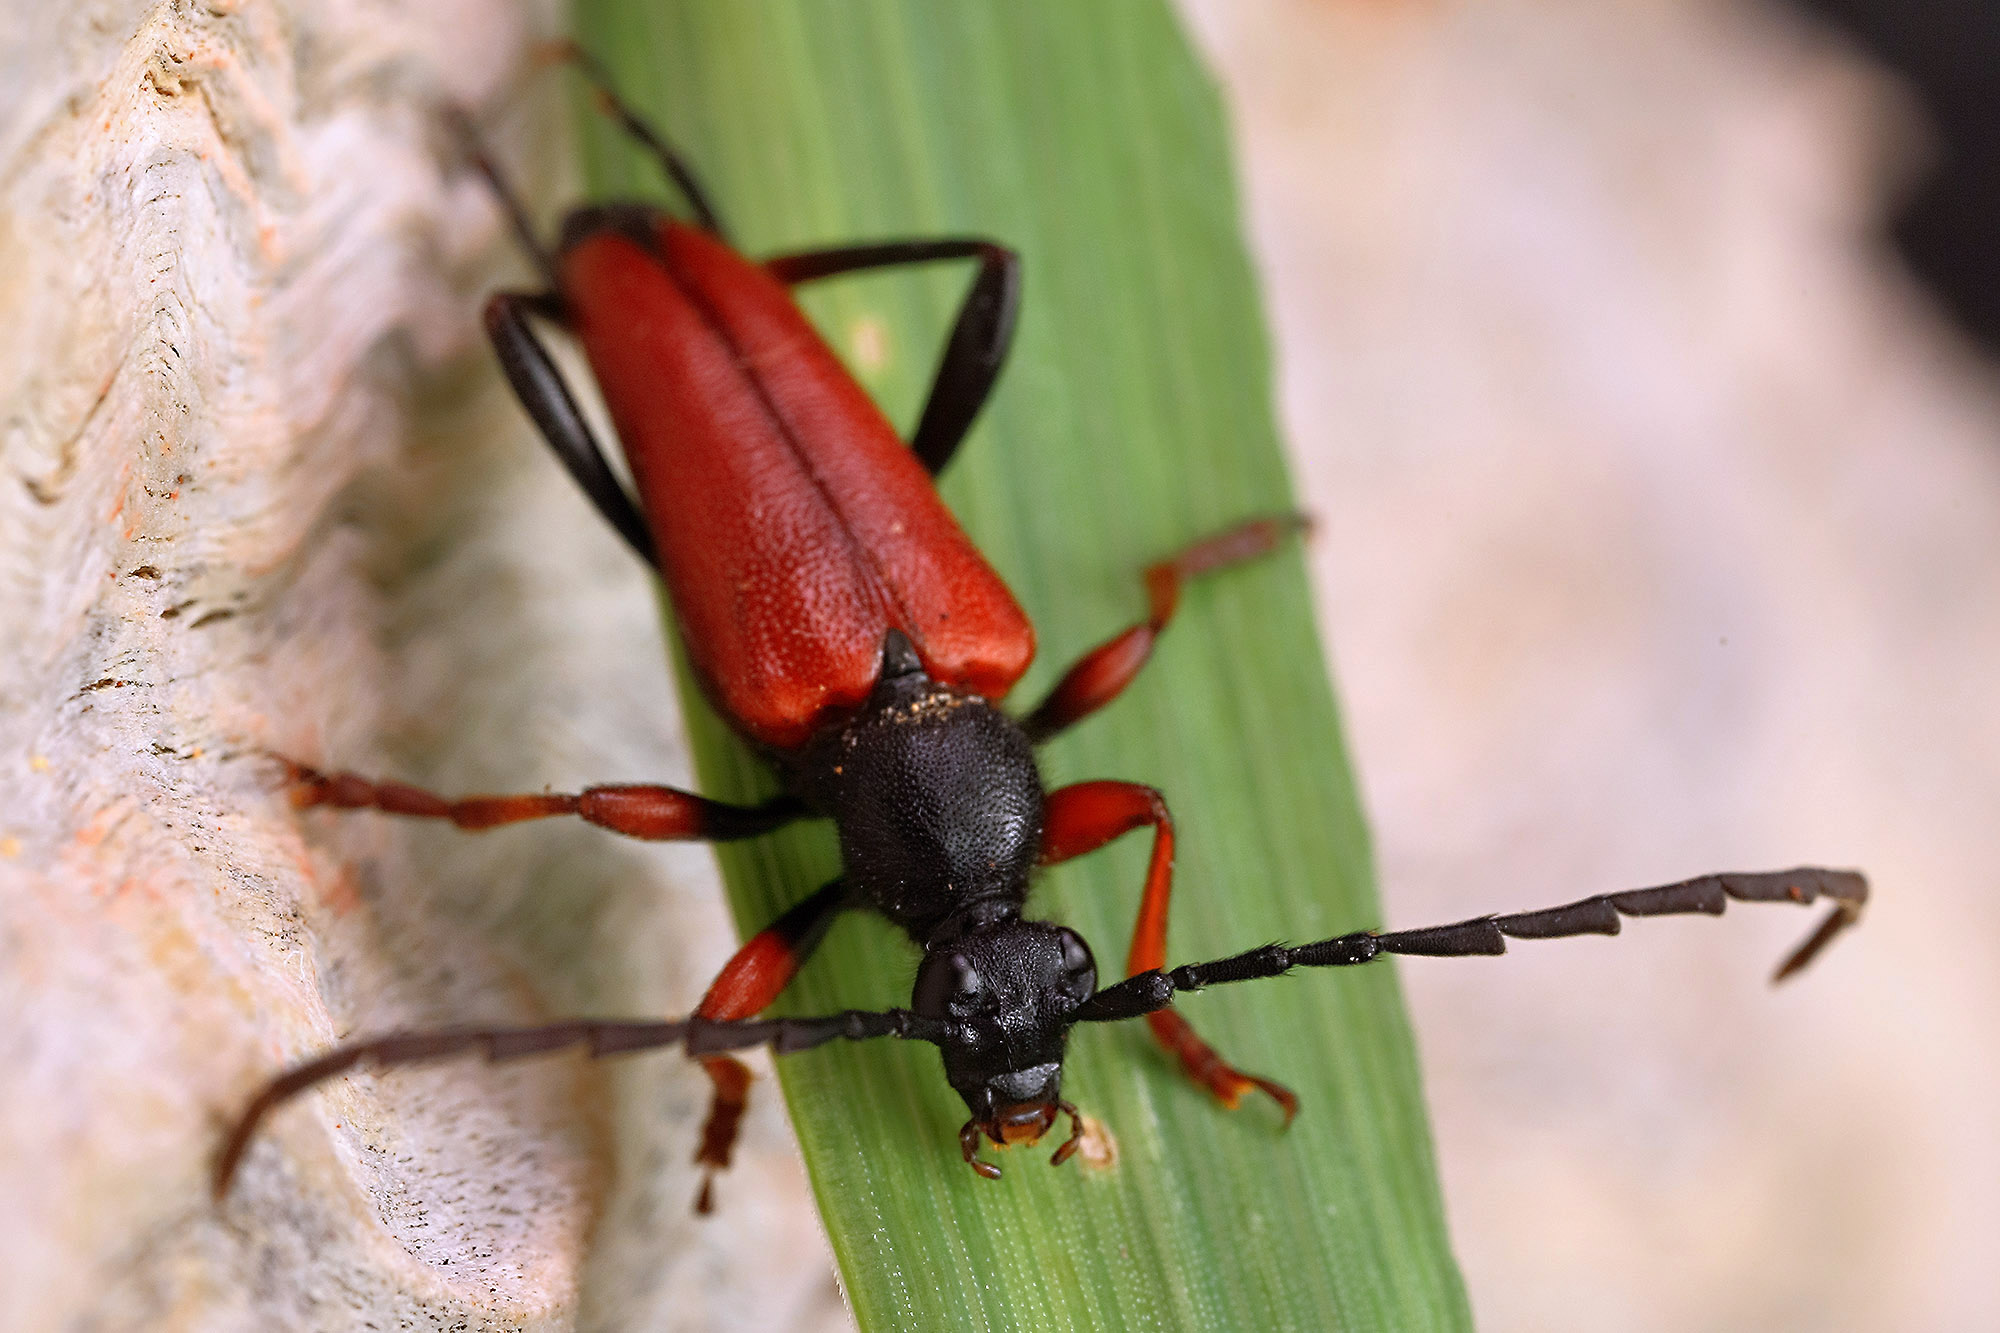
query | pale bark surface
(261,489)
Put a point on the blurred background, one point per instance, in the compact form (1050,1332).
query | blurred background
(1630,354)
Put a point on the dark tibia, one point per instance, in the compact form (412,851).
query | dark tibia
(539,385)
(510,202)
(977,346)
(1708,895)
(600,1037)
(670,159)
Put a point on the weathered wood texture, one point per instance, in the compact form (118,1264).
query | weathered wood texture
(259,488)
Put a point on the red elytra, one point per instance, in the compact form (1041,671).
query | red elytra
(794,527)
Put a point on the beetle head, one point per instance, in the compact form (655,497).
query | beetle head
(1009,991)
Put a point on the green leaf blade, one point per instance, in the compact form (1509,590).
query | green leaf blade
(1134,416)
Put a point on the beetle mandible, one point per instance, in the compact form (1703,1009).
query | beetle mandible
(837,617)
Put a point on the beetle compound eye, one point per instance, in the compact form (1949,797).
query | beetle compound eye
(946,982)
(1079,968)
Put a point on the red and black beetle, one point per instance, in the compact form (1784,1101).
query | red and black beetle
(842,623)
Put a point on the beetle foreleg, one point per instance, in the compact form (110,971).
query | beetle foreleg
(1082,818)
(746,986)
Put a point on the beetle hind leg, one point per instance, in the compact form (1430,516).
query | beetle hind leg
(540,387)
(504,193)
(974,351)
(670,158)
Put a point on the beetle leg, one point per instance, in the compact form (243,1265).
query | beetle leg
(1102,674)
(654,813)
(539,386)
(1082,818)
(745,987)
(510,202)
(671,162)
(980,336)
(537,382)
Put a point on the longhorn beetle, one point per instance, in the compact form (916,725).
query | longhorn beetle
(845,627)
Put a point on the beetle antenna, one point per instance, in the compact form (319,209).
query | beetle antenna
(601,1037)
(1147,992)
